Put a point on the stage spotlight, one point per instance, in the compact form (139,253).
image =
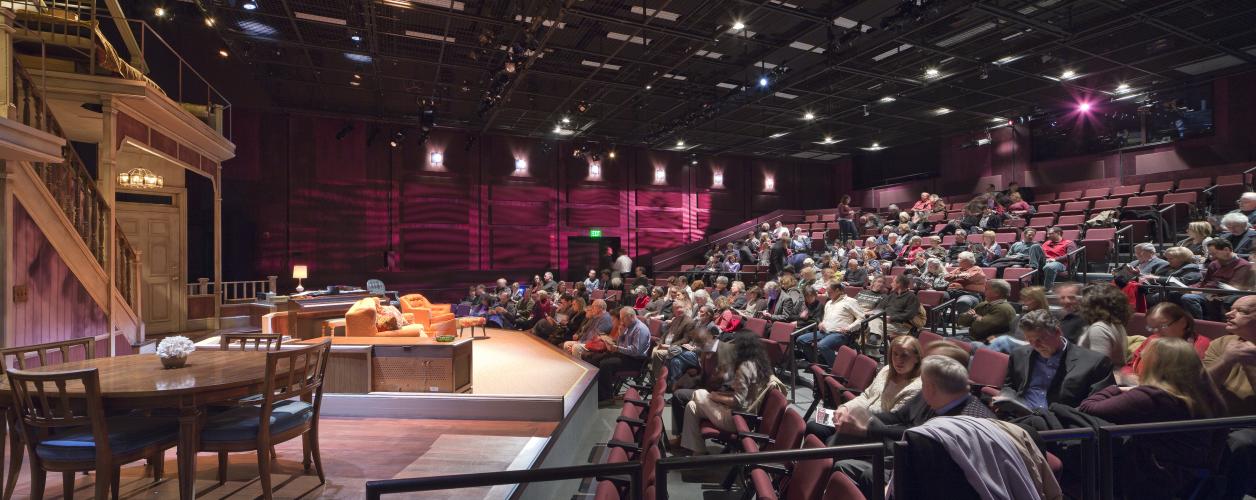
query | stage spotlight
(596,156)
(521,166)
(611,154)
(809,116)
(738,26)
(159,12)
(595,170)
(209,21)
(1068,74)
(582,106)
(249,5)
(680,143)
(1084,107)
(397,138)
(223,53)
(566,120)
(932,73)
(763,81)
(1122,88)
(865,110)
(888,99)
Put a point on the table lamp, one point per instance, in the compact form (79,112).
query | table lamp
(300,273)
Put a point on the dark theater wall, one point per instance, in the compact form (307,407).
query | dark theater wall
(296,195)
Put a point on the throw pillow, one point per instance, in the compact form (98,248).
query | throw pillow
(385,323)
(388,310)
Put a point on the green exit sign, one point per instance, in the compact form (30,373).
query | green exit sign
(595,233)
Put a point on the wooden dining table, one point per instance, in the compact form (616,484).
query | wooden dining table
(139,382)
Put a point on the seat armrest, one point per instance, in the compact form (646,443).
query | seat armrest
(756,436)
(623,444)
(636,422)
(642,388)
(771,469)
(637,402)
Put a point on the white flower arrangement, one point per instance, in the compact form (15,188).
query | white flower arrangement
(177,346)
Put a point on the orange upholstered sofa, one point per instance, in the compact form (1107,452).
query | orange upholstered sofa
(360,322)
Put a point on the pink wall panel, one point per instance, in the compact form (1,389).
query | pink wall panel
(590,195)
(660,198)
(520,193)
(59,308)
(660,219)
(521,248)
(520,214)
(592,217)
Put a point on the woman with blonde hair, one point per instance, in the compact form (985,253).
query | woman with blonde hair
(1173,386)
(894,385)
(1197,234)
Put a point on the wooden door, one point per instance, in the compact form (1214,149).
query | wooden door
(156,229)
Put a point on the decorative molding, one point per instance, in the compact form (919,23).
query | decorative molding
(20,142)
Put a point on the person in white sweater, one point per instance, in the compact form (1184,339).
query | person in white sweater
(896,384)
(1106,309)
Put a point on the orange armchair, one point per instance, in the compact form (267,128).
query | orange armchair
(360,322)
(425,313)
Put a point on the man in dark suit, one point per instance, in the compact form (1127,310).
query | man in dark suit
(1050,369)
(944,392)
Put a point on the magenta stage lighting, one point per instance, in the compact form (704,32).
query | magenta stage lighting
(1084,107)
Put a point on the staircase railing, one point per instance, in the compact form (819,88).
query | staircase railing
(72,186)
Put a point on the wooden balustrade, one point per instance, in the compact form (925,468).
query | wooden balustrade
(233,291)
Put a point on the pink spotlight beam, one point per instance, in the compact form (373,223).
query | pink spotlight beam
(1084,107)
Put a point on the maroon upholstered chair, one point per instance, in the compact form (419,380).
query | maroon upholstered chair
(777,342)
(757,325)
(927,337)
(1158,187)
(1124,191)
(1095,193)
(988,368)
(840,487)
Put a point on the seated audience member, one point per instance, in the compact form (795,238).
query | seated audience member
(1018,206)
(1197,233)
(1051,256)
(629,351)
(855,275)
(1071,321)
(642,299)
(540,306)
(724,317)
(721,287)
(504,312)
(582,291)
(1145,259)
(731,264)
(1181,267)
(901,308)
(780,232)
(808,277)
(1106,309)
(933,277)
(597,322)
(1051,369)
(1224,270)
(1031,299)
(548,284)
(896,384)
(914,247)
(960,246)
(751,374)
(846,220)
(1020,249)
(970,219)
(1247,207)
(841,312)
(592,283)
(659,301)
(991,250)
(639,278)
(737,295)
(992,317)
(553,326)
(1231,364)
(675,333)
(1239,232)
(1172,386)
(755,302)
(812,307)
(966,282)
(789,304)
(1167,320)
(944,392)
(827,275)
(924,204)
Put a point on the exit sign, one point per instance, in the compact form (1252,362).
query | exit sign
(595,233)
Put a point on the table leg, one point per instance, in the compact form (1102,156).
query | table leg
(189,434)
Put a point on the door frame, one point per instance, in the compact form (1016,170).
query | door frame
(179,197)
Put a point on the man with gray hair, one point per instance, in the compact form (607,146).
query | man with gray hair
(629,352)
(597,322)
(1145,260)
(1050,369)
(1239,232)
(1247,207)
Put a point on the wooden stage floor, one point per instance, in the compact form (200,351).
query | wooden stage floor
(518,363)
(355,450)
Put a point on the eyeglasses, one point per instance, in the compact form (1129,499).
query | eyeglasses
(1154,329)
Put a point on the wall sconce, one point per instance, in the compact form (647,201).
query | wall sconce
(717,178)
(769,183)
(521,166)
(660,175)
(437,158)
(595,170)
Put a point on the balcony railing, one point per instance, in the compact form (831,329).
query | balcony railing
(233,291)
(127,274)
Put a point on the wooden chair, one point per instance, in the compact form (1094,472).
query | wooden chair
(259,341)
(71,433)
(289,407)
(21,360)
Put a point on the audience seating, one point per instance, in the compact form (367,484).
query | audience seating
(1107,204)
(988,369)
(863,370)
(1100,243)
(1048,208)
(1142,201)
(1075,208)
(1068,195)
(1096,193)
(1158,187)
(927,337)
(843,363)
(1125,191)
(1193,184)
(778,344)
(757,325)
(806,481)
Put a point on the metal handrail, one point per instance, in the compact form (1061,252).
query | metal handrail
(1106,434)
(409,485)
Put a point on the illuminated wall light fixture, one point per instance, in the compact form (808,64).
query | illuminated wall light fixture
(660,175)
(769,183)
(521,166)
(595,170)
(717,179)
(438,158)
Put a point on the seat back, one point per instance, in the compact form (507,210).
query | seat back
(853,291)
(1096,193)
(45,405)
(771,411)
(1187,198)
(780,331)
(598,294)
(1228,180)
(1048,208)
(1142,201)
(1046,196)
(1123,191)
(1071,220)
(844,362)
(806,482)
(1210,329)
(988,367)
(1068,195)
(789,434)
(1042,220)
(259,341)
(655,326)
(841,487)
(375,287)
(931,298)
(1137,325)
(1100,234)
(990,272)
(1070,234)
(301,377)
(862,373)
(50,353)
(1077,206)
(757,325)
(1108,204)
(1158,187)
(927,337)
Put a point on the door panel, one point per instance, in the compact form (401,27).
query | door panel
(156,231)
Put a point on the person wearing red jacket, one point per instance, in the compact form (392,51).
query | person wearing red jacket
(1051,255)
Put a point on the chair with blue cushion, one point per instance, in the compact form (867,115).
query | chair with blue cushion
(376,287)
(70,432)
(288,408)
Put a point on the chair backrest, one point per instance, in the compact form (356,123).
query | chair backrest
(862,373)
(1070,234)
(1227,180)
(1077,206)
(930,298)
(853,291)
(806,482)
(1042,220)
(1137,325)
(1014,273)
(948,240)
(598,294)
(897,270)
(1158,187)
(259,341)
(1100,234)
(44,405)
(1005,238)
(1187,198)
(655,326)
(1096,192)
(757,325)
(1071,220)
(927,337)
(1210,329)
(1143,201)
(988,367)
(841,487)
(974,238)
(1069,195)
(1108,204)
(771,411)
(1046,196)
(1128,190)
(789,434)
(780,331)
(303,378)
(375,287)
(1048,208)
(844,362)
(48,353)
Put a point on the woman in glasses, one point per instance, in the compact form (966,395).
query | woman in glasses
(1167,319)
